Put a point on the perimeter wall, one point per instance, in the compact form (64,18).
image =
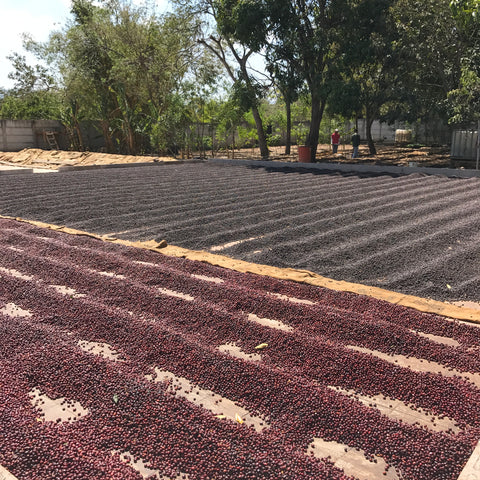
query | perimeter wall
(19,134)
(15,135)
(428,133)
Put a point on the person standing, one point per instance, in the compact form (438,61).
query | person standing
(355,143)
(335,140)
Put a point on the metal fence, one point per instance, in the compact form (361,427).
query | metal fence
(466,145)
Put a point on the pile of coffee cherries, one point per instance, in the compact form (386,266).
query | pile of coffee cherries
(171,314)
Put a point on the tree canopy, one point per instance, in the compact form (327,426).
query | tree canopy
(465,99)
(148,78)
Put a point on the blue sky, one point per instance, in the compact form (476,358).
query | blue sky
(36,17)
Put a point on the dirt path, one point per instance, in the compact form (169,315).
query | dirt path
(387,155)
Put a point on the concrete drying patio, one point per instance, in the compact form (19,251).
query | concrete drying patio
(125,363)
(416,234)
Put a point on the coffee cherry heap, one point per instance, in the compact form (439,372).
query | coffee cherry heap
(137,312)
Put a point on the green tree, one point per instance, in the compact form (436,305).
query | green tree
(428,51)
(465,99)
(87,66)
(288,82)
(366,64)
(29,78)
(230,116)
(400,61)
(132,62)
(34,94)
(296,33)
(308,35)
(225,40)
(123,66)
(36,105)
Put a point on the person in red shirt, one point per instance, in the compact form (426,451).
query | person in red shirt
(335,140)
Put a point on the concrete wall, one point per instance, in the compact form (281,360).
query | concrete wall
(381,132)
(16,135)
(432,133)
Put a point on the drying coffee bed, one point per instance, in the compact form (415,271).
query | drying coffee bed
(414,234)
(117,362)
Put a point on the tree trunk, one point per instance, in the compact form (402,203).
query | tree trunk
(262,139)
(369,121)
(107,136)
(288,141)
(79,136)
(318,107)
(130,138)
(215,46)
